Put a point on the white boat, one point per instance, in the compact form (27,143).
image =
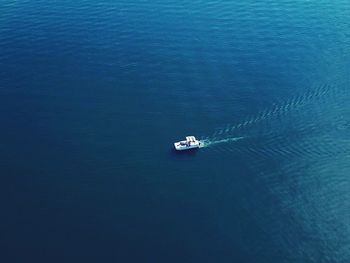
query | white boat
(190,143)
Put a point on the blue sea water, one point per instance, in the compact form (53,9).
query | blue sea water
(94,93)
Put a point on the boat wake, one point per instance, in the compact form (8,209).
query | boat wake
(279,115)
(212,142)
(314,125)
(280,110)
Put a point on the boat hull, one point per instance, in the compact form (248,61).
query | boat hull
(179,147)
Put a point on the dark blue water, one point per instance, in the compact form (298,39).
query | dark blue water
(94,93)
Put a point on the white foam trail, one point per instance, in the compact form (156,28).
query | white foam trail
(279,109)
(208,142)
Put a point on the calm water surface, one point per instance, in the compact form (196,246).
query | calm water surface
(94,93)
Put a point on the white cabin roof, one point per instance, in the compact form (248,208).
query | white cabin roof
(190,138)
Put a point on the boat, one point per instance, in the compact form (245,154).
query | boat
(190,143)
